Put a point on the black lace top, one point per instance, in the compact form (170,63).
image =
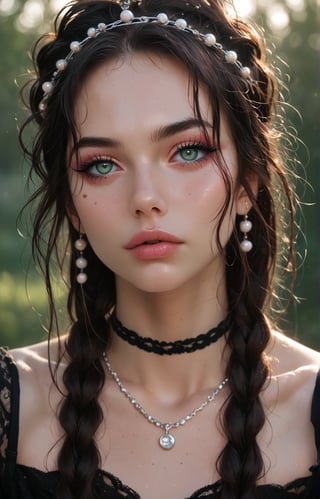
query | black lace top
(23,482)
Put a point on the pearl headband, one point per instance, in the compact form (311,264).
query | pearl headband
(128,18)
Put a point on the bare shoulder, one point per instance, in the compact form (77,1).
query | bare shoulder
(32,360)
(34,374)
(287,354)
(287,399)
(31,357)
(294,369)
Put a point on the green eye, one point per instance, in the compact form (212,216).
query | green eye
(193,152)
(98,167)
(103,167)
(189,154)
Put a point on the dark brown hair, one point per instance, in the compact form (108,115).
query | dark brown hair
(251,110)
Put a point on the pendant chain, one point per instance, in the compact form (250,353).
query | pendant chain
(167,440)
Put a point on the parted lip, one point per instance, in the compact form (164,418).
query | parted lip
(150,236)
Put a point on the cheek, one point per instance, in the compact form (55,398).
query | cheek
(206,195)
(208,203)
(91,210)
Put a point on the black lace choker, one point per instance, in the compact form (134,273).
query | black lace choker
(170,347)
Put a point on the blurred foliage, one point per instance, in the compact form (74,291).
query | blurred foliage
(299,48)
(23,309)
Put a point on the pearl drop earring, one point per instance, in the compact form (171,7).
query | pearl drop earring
(81,263)
(245,227)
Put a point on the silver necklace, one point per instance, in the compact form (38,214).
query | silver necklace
(166,440)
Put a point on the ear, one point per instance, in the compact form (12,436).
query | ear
(243,200)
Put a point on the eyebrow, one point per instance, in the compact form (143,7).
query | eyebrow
(96,142)
(162,133)
(180,126)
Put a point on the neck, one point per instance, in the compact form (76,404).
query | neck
(170,316)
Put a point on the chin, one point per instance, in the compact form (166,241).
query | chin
(157,287)
(155,283)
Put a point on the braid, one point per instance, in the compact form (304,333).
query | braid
(241,462)
(80,413)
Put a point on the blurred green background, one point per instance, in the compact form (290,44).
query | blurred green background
(292,26)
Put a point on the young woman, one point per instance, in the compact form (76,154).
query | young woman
(158,155)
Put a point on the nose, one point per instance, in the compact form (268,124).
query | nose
(148,193)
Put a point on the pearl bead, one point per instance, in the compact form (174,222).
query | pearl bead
(61,64)
(210,40)
(162,18)
(126,16)
(101,26)
(245,226)
(231,56)
(245,72)
(246,245)
(75,47)
(42,106)
(81,262)
(181,24)
(47,87)
(80,244)
(82,278)
(91,32)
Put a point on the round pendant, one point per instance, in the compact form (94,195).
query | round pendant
(167,441)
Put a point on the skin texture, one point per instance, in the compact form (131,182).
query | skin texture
(150,186)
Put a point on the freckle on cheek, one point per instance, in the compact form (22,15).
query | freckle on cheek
(84,196)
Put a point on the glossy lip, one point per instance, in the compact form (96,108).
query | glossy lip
(151,235)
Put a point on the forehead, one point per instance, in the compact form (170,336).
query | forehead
(137,90)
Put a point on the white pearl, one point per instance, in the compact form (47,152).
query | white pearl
(81,262)
(231,56)
(47,87)
(101,26)
(245,226)
(245,72)
(246,245)
(61,64)
(80,244)
(181,24)
(42,106)
(126,16)
(162,18)
(210,40)
(75,46)
(82,278)
(91,32)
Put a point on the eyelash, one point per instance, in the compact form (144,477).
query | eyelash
(86,165)
(192,145)
(196,145)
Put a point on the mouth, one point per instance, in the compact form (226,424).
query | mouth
(149,238)
(157,241)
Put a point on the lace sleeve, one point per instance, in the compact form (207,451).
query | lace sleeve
(5,401)
(315,414)
(9,423)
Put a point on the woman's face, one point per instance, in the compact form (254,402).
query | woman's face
(147,189)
